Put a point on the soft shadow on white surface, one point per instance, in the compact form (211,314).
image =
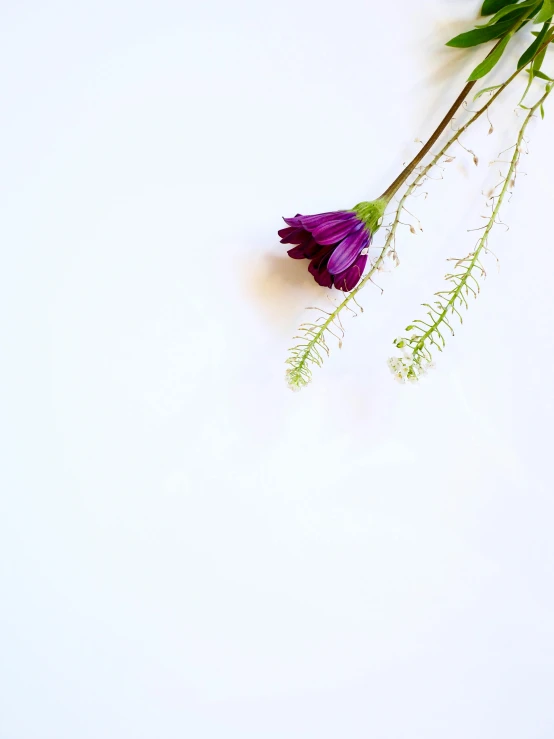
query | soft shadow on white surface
(278,285)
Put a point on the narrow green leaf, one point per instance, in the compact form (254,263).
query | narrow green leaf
(492,6)
(538,60)
(543,76)
(510,9)
(484,90)
(534,72)
(542,111)
(491,60)
(480,35)
(529,83)
(546,13)
(528,54)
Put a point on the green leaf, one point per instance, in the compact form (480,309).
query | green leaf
(546,13)
(529,83)
(529,53)
(480,35)
(543,76)
(542,111)
(510,9)
(538,60)
(492,6)
(491,60)
(534,72)
(484,90)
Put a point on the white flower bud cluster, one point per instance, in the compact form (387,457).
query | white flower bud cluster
(295,381)
(407,368)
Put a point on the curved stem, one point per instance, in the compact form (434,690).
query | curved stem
(456,294)
(406,172)
(403,176)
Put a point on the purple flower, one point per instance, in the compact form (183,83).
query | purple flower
(333,242)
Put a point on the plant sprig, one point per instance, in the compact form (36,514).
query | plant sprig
(426,335)
(313,337)
(508,18)
(313,346)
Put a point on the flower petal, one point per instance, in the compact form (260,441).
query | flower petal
(348,250)
(334,231)
(312,222)
(348,279)
(294,235)
(318,267)
(293,221)
(311,248)
(297,252)
(322,276)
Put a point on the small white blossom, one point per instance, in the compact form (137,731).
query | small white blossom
(407,368)
(295,381)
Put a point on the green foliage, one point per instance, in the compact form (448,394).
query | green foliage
(529,53)
(510,9)
(427,335)
(492,6)
(309,352)
(543,76)
(507,18)
(491,60)
(484,90)
(547,11)
(480,35)
(534,72)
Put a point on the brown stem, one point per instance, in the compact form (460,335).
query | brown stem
(402,177)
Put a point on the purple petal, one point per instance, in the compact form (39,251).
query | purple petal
(297,252)
(294,235)
(308,250)
(311,248)
(334,231)
(348,279)
(312,222)
(346,252)
(322,276)
(321,257)
(318,267)
(293,221)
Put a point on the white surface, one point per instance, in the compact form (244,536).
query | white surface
(187,548)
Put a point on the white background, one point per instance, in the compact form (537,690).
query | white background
(188,549)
